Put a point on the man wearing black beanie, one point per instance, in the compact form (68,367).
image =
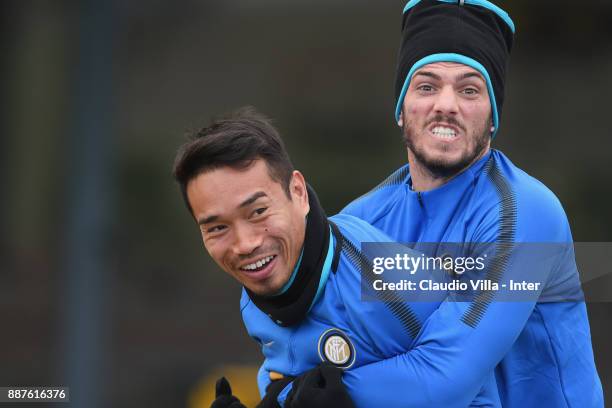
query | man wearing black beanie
(449,92)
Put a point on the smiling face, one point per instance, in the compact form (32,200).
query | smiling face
(446,119)
(250,227)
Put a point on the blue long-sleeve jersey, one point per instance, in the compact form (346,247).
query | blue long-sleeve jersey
(357,335)
(542,350)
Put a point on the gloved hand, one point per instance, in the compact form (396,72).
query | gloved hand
(270,400)
(224,397)
(321,387)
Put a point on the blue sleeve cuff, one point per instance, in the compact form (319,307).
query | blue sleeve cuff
(283,394)
(263,380)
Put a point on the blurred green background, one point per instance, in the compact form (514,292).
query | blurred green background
(104,284)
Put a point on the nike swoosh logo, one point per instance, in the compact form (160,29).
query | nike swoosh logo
(268,344)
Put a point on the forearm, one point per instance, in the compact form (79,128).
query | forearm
(449,363)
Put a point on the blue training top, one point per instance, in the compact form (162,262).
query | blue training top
(542,350)
(368,339)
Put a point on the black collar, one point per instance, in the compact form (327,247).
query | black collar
(293,305)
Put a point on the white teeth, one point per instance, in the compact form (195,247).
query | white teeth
(444,132)
(258,264)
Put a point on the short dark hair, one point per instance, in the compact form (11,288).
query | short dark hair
(235,140)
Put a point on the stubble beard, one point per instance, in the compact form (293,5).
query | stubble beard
(442,167)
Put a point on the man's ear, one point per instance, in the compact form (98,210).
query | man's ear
(298,190)
(400,121)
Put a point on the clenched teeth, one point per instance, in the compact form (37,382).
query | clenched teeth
(258,264)
(444,132)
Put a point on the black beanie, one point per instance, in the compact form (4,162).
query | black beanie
(476,33)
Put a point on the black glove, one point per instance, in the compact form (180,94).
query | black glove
(224,397)
(321,387)
(272,390)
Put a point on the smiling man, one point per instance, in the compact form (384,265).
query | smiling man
(450,90)
(262,243)
(302,278)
